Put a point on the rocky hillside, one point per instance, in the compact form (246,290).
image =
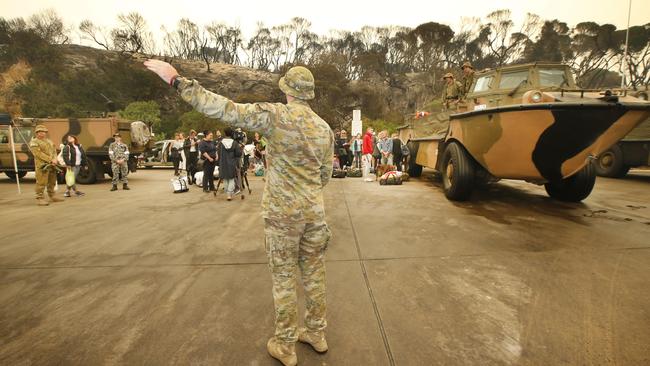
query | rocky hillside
(94,71)
(403,93)
(225,79)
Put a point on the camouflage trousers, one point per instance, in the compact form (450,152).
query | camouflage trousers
(290,246)
(45,179)
(120,170)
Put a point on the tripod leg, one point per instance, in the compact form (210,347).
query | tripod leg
(217,189)
(242,184)
(248,185)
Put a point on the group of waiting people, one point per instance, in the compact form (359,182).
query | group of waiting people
(375,148)
(215,150)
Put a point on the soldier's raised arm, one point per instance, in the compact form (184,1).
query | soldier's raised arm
(253,117)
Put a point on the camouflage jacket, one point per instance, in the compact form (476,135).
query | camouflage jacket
(300,149)
(451,91)
(118,151)
(43,151)
(466,83)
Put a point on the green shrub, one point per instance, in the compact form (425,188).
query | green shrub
(148,112)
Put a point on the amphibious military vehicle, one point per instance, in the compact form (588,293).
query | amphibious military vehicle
(95,134)
(529,122)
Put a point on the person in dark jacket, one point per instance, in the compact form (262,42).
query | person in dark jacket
(208,150)
(376,154)
(229,156)
(191,150)
(342,149)
(75,158)
(397,152)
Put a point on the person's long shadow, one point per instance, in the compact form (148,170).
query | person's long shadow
(500,202)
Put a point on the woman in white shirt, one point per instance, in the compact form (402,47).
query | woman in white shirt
(176,153)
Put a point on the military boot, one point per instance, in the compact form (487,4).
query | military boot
(315,339)
(285,353)
(126,187)
(54,198)
(42,202)
(114,188)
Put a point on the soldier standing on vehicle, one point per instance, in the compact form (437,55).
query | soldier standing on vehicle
(451,91)
(467,80)
(301,150)
(45,165)
(119,154)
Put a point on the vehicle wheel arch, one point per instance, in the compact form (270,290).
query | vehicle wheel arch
(443,147)
(413,168)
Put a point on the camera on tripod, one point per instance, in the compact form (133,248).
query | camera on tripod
(239,136)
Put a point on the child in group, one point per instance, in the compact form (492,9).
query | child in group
(335,163)
(355,148)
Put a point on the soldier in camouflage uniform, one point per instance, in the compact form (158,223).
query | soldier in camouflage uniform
(467,80)
(45,164)
(300,148)
(119,154)
(451,91)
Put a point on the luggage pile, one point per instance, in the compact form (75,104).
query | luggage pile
(393,178)
(354,173)
(180,184)
(339,173)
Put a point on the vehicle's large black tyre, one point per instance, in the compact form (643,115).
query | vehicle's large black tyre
(414,169)
(458,172)
(12,175)
(89,176)
(610,163)
(575,188)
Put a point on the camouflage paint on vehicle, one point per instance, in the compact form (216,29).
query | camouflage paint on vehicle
(529,122)
(540,144)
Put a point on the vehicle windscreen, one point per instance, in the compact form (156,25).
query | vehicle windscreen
(483,83)
(553,77)
(512,79)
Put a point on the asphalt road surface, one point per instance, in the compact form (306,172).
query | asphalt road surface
(147,277)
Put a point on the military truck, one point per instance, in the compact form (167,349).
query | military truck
(95,134)
(529,122)
(631,152)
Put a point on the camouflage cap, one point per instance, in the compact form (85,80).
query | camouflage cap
(467,64)
(448,75)
(298,82)
(40,128)
(117,134)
